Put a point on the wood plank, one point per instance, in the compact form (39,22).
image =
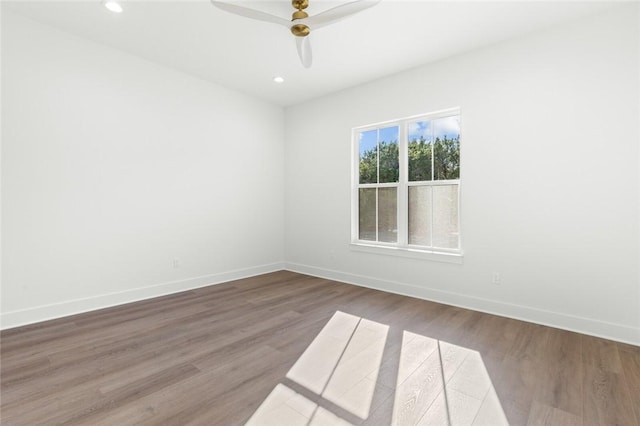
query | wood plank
(630,359)
(545,415)
(605,397)
(560,384)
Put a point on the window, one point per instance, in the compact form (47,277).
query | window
(406,188)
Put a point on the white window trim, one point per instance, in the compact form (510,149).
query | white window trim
(402,247)
(411,253)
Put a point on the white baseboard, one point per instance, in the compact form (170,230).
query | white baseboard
(77,306)
(618,332)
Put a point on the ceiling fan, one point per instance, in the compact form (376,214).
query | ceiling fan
(301,23)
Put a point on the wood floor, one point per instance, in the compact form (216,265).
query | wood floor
(285,348)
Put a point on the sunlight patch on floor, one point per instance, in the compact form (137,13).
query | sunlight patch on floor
(436,382)
(443,384)
(285,407)
(342,362)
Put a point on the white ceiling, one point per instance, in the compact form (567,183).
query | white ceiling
(199,39)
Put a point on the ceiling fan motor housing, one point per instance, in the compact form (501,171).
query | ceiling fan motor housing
(300,30)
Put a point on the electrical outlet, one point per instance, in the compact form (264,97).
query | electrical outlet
(176,263)
(496,279)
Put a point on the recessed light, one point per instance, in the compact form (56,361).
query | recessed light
(278,79)
(113,6)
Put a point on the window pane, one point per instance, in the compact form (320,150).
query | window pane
(389,158)
(388,215)
(420,148)
(445,216)
(447,148)
(420,215)
(368,148)
(367,212)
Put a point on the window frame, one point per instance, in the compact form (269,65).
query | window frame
(402,246)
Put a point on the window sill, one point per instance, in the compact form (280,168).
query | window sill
(455,258)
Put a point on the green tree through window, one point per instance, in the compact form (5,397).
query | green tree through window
(389,163)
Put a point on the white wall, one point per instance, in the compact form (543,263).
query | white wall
(550,179)
(1,68)
(113,166)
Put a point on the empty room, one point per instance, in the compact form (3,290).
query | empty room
(319,212)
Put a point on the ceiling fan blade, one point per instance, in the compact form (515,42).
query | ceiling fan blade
(337,13)
(304,50)
(251,13)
